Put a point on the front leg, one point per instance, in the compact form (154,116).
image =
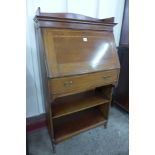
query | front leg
(105,125)
(53,147)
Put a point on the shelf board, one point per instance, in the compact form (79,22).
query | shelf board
(75,103)
(68,126)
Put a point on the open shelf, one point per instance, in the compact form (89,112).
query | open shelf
(68,126)
(75,103)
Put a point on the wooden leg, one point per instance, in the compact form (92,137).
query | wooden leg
(53,147)
(105,125)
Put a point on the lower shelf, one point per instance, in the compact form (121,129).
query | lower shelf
(68,126)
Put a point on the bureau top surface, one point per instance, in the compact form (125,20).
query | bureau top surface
(85,49)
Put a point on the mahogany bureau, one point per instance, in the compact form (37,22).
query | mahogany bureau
(79,66)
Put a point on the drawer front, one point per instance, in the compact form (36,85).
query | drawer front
(82,82)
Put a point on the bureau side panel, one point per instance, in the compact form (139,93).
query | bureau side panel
(44,79)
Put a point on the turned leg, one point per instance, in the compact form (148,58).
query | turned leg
(105,125)
(53,147)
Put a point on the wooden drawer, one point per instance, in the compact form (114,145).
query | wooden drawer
(82,82)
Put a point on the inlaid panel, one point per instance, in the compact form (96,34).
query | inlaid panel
(71,52)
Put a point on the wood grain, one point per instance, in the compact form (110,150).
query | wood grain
(74,124)
(82,82)
(68,54)
(75,103)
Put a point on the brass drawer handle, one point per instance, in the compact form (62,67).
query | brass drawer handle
(106,77)
(68,83)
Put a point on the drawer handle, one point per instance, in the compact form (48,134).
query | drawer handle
(68,83)
(106,77)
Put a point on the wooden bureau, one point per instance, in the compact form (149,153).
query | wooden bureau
(79,66)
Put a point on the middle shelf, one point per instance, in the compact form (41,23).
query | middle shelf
(77,102)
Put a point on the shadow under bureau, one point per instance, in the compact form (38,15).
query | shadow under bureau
(79,67)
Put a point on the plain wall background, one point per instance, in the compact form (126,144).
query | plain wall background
(94,8)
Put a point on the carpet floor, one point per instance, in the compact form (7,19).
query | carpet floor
(98,141)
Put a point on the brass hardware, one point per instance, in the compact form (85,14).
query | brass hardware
(106,77)
(68,83)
